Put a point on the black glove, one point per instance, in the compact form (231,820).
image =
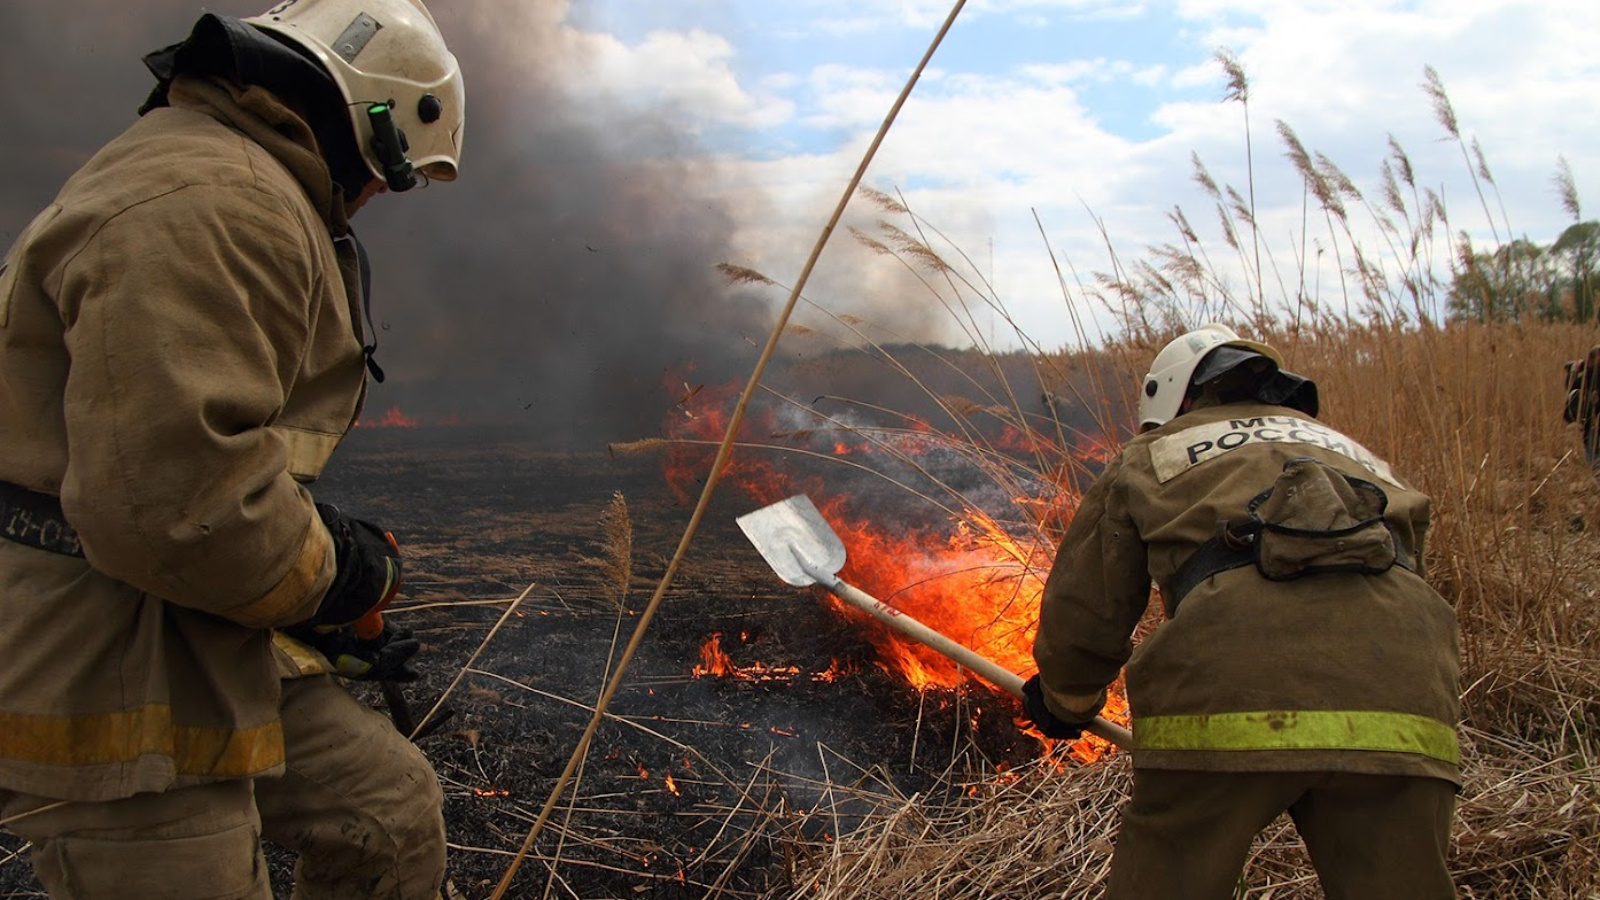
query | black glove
(368,569)
(383,658)
(1043,719)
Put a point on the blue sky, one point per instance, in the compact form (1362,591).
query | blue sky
(1122,53)
(1088,114)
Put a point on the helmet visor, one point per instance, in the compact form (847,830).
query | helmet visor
(1225,359)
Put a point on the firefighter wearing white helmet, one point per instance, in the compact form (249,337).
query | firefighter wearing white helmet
(181,350)
(400,83)
(1170,373)
(1304,665)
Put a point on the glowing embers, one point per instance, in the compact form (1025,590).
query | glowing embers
(391,418)
(716,663)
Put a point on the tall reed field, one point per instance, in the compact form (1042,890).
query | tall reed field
(1467,407)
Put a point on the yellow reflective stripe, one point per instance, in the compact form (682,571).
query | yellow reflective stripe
(1300,730)
(305,660)
(310,575)
(122,737)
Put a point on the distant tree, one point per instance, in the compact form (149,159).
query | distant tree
(1577,252)
(1524,280)
(1515,281)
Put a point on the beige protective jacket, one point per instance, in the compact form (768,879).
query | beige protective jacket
(179,348)
(1342,672)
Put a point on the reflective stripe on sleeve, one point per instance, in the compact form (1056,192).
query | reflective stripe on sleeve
(1300,730)
(310,575)
(305,660)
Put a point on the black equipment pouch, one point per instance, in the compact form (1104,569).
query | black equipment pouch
(35,520)
(1313,520)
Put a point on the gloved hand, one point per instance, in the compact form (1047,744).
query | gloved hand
(368,570)
(1043,719)
(383,658)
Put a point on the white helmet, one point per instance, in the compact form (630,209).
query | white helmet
(402,85)
(1174,367)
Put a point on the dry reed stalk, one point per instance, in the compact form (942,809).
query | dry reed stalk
(617,561)
(1527,820)
(723,453)
(438,704)
(9,820)
(1468,413)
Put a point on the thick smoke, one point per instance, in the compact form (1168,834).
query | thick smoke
(559,284)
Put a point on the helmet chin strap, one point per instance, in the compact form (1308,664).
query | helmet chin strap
(389,145)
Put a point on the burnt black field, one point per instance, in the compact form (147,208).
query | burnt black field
(698,783)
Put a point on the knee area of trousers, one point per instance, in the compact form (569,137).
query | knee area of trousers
(416,819)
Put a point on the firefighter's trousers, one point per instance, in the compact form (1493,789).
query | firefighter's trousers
(1186,835)
(359,803)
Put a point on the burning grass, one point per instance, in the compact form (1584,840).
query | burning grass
(993,448)
(1470,412)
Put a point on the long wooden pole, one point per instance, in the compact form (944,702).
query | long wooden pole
(986,668)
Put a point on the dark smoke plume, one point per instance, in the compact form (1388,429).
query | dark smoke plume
(558,285)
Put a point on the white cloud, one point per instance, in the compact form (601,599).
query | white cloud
(979,154)
(687,73)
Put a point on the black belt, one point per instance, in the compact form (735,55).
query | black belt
(35,520)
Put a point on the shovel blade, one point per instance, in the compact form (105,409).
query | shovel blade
(795,540)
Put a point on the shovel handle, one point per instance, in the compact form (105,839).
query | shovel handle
(988,669)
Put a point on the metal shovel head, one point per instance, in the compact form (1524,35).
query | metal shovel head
(795,540)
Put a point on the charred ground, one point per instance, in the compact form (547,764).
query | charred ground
(699,784)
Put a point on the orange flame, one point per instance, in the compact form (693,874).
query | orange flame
(716,663)
(975,580)
(713,659)
(978,585)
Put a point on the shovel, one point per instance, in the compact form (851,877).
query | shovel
(803,550)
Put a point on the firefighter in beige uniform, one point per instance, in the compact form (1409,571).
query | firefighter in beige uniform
(181,348)
(1305,665)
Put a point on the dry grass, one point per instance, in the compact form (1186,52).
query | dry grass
(1471,415)
(1469,412)
(1526,827)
